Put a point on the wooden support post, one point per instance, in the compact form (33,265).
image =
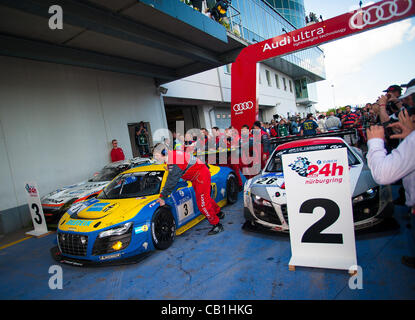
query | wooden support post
(291,268)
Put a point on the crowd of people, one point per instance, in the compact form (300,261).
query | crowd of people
(384,128)
(391,145)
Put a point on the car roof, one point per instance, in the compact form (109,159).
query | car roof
(310,142)
(128,162)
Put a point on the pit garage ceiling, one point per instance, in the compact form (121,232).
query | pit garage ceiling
(127,36)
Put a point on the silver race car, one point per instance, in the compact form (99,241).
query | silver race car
(56,203)
(265,197)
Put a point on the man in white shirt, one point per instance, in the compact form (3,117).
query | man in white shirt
(399,164)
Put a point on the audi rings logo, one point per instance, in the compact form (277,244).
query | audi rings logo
(377,13)
(241,107)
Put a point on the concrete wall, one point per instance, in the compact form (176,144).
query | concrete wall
(57,123)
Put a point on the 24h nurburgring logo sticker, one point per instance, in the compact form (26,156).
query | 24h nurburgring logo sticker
(301,166)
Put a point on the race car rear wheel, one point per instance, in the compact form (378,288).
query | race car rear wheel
(232,189)
(163,228)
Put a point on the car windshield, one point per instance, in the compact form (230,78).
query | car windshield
(108,173)
(275,164)
(132,185)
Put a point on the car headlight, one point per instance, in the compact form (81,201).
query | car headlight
(261,201)
(369,194)
(117,231)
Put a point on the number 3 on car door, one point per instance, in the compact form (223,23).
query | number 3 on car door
(184,204)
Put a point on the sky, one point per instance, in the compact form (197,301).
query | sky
(360,67)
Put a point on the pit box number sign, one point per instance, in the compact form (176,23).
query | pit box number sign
(319,208)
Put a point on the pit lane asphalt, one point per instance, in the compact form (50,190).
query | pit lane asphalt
(235,264)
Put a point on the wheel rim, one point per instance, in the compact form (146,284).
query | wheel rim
(164,227)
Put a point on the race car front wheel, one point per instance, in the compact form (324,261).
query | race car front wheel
(232,189)
(163,228)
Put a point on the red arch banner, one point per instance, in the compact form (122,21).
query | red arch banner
(244,99)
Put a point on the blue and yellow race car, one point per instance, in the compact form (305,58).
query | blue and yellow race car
(124,223)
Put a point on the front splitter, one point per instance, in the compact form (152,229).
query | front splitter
(57,256)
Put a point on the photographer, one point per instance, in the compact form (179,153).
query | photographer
(400,163)
(390,105)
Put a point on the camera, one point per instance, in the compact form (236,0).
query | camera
(389,131)
(410,110)
(391,107)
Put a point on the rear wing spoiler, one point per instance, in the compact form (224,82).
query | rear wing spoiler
(275,142)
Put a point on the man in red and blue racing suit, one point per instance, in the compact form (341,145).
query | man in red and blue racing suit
(187,167)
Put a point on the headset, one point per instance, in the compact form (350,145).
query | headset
(163,152)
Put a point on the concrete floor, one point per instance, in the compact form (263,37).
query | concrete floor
(235,264)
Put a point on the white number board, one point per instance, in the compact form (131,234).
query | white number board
(36,211)
(319,208)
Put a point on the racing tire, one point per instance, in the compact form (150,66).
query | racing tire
(231,189)
(163,229)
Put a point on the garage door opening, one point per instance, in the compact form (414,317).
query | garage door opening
(188,114)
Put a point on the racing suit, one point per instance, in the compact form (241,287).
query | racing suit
(189,168)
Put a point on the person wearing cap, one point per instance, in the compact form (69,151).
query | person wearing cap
(389,103)
(408,98)
(399,164)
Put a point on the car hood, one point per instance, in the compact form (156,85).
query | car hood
(80,190)
(95,214)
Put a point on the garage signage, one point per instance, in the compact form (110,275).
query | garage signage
(319,208)
(36,211)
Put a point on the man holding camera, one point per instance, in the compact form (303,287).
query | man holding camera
(390,104)
(400,163)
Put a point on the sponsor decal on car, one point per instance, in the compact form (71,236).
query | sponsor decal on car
(140,229)
(111,256)
(98,206)
(85,223)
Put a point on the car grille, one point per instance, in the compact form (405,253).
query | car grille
(266,214)
(359,210)
(73,244)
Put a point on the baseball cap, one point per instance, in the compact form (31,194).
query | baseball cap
(409,84)
(393,87)
(408,92)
